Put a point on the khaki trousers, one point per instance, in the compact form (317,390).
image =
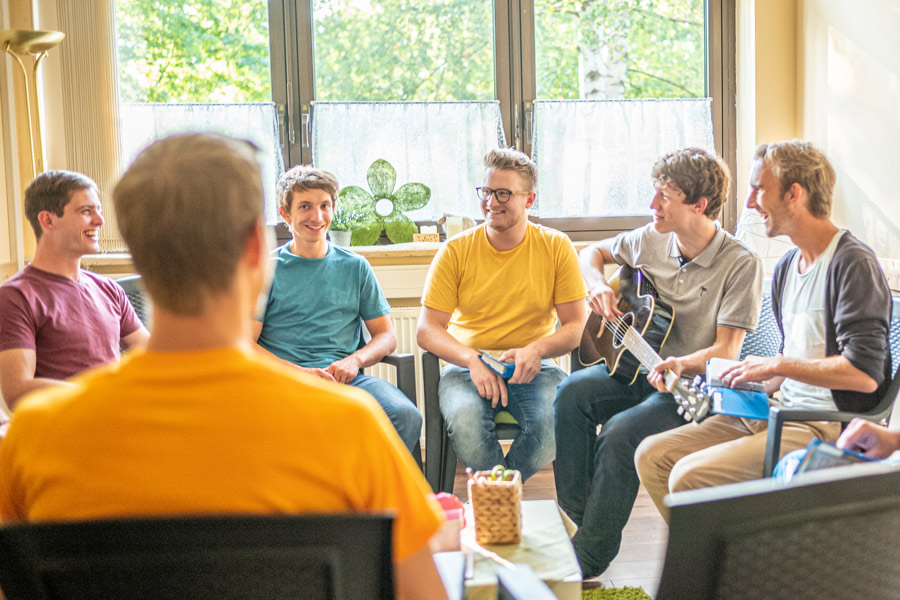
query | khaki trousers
(718,451)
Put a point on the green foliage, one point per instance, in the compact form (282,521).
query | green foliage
(193,50)
(407,50)
(400,50)
(382,178)
(346,218)
(665,45)
(623,593)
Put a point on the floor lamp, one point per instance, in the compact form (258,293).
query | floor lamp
(18,43)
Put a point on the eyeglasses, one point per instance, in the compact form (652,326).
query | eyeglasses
(502,195)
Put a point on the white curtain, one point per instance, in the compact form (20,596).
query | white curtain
(594,157)
(88,135)
(439,144)
(143,123)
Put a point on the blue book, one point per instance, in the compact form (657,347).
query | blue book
(503,369)
(739,403)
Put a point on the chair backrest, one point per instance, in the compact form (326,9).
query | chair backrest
(221,557)
(140,301)
(766,339)
(828,534)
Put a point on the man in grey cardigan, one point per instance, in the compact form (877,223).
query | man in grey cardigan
(833,306)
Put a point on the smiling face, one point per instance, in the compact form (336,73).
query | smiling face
(670,213)
(309,219)
(503,217)
(77,231)
(767,198)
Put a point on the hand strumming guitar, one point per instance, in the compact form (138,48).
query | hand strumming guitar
(603,300)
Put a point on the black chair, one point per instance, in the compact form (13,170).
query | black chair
(778,416)
(828,534)
(440,458)
(404,364)
(215,558)
(140,301)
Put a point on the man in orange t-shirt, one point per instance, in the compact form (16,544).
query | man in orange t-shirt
(201,422)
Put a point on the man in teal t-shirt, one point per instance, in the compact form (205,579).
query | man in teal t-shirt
(320,297)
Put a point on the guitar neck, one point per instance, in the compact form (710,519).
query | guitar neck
(647,356)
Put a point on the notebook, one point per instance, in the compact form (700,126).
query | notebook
(504,369)
(746,399)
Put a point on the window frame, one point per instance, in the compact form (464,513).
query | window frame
(293,89)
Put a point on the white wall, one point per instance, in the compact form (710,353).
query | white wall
(849,99)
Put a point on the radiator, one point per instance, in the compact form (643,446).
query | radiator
(404,319)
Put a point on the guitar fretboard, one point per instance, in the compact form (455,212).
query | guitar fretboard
(642,351)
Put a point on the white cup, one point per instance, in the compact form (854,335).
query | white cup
(453,225)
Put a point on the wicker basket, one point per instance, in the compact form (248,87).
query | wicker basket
(497,507)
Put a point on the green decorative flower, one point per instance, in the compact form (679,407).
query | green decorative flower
(383,208)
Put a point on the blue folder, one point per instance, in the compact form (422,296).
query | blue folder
(739,403)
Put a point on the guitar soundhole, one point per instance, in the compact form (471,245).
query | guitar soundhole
(622,325)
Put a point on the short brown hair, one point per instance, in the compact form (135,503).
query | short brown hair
(302,178)
(801,162)
(510,159)
(186,207)
(698,174)
(52,191)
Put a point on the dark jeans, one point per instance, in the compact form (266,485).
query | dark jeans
(596,480)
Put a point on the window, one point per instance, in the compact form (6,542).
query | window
(594,90)
(197,65)
(618,83)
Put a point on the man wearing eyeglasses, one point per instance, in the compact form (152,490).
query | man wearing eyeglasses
(500,287)
(713,284)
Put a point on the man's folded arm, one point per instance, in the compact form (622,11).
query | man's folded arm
(17,367)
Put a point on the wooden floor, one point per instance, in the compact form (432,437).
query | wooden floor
(640,559)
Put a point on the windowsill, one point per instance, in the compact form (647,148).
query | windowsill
(413,253)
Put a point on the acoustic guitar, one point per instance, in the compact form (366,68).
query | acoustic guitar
(634,339)
(638,301)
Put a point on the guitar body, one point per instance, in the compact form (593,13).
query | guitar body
(601,340)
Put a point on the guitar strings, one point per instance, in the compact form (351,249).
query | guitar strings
(619,329)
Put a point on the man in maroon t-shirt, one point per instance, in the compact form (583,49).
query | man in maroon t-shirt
(57,320)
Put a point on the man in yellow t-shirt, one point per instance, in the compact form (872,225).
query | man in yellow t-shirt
(200,422)
(501,287)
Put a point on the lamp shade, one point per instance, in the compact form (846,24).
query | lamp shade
(21,41)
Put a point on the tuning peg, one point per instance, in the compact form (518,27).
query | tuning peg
(681,410)
(688,417)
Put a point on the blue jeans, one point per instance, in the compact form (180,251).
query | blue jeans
(596,480)
(470,420)
(404,415)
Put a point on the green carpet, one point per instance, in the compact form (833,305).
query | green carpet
(624,593)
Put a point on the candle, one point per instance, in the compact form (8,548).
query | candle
(453,225)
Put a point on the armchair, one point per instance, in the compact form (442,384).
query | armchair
(778,416)
(440,458)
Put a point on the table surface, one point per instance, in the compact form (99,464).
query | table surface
(545,547)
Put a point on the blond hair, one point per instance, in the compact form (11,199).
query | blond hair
(698,174)
(186,208)
(801,162)
(510,159)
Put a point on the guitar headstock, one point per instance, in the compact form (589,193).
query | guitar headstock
(694,404)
